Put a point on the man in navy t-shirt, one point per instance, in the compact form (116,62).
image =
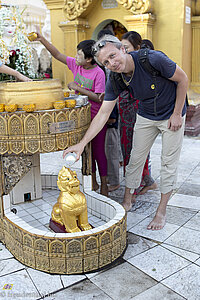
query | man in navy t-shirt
(161,110)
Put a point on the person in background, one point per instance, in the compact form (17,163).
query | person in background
(147,44)
(89,80)
(161,113)
(7,70)
(128,106)
(112,141)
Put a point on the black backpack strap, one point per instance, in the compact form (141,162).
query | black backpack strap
(117,83)
(144,61)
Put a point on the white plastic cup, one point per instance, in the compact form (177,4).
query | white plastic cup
(70,158)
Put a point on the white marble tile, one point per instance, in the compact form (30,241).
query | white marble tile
(158,292)
(40,215)
(4,253)
(186,282)
(28,218)
(68,280)
(133,219)
(158,262)
(22,213)
(34,210)
(185,239)
(26,205)
(34,223)
(150,196)
(84,290)
(44,220)
(183,253)
(45,283)
(194,222)
(137,245)
(45,207)
(39,202)
(157,235)
(122,281)
(185,201)
(22,286)
(197,262)
(9,265)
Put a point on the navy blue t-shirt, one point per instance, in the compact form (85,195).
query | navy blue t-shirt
(144,87)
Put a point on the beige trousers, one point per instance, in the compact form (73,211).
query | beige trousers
(145,133)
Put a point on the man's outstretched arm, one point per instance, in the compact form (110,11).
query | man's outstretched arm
(95,127)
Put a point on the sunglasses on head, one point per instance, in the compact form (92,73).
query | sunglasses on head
(100,45)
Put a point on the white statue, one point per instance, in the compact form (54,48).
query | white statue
(15,50)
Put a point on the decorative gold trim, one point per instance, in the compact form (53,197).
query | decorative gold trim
(74,8)
(28,133)
(137,6)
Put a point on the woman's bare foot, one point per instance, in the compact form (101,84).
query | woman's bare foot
(95,185)
(158,222)
(147,188)
(112,188)
(104,190)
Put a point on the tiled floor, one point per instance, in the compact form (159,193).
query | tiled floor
(37,213)
(156,265)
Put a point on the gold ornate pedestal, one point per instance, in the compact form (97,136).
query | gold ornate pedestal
(40,92)
(28,133)
(23,134)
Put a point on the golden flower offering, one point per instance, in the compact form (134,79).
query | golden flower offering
(11,107)
(32,36)
(29,107)
(66,94)
(70,103)
(2,107)
(59,104)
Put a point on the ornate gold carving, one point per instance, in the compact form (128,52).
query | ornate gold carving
(71,205)
(74,8)
(31,125)
(14,168)
(29,132)
(137,6)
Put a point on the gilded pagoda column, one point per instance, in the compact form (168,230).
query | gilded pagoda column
(57,16)
(195,83)
(74,32)
(142,23)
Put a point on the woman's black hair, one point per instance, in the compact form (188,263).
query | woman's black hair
(104,32)
(147,44)
(134,38)
(86,47)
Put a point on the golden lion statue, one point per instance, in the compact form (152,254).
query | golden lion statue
(70,209)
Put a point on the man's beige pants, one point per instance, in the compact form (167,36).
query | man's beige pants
(145,133)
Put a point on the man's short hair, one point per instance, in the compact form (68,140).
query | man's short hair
(102,42)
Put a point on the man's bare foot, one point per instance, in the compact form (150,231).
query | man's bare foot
(158,222)
(147,188)
(112,188)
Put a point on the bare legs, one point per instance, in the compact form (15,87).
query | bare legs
(158,221)
(146,188)
(95,185)
(129,199)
